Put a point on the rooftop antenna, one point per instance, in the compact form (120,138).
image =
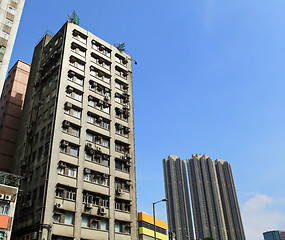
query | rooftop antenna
(74,18)
(121,46)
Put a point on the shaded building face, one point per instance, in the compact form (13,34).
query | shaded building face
(11,106)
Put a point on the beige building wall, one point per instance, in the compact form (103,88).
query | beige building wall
(11,105)
(10,15)
(78,155)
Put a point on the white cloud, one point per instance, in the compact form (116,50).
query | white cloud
(258,218)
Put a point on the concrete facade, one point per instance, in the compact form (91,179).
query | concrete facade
(214,201)
(10,15)
(178,201)
(11,105)
(76,145)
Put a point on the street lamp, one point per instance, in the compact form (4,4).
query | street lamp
(153,208)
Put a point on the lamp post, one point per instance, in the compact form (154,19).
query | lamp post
(153,209)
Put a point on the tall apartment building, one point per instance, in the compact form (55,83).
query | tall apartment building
(146,228)
(214,202)
(11,105)
(76,147)
(274,235)
(178,201)
(10,15)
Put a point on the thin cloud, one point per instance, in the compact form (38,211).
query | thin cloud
(257,218)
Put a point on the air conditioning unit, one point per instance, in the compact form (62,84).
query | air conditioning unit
(105,176)
(2,196)
(58,205)
(99,119)
(89,145)
(102,210)
(125,60)
(64,143)
(100,102)
(87,171)
(70,89)
(28,203)
(92,152)
(62,164)
(126,114)
(119,191)
(68,105)
(98,149)
(127,129)
(107,97)
(126,106)
(34,235)
(129,183)
(88,205)
(128,164)
(66,123)
(71,73)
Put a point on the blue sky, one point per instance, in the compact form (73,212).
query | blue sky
(209,80)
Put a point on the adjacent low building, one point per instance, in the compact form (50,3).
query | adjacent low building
(8,197)
(146,227)
(274,235)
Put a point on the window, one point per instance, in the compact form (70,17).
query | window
(89,137)
(85,221)
(118,85)
(118,99)
(2,49)
(4,208)
(71,194)
(61,170)
(105,142)
(74,151)
(118,206)
(88,177)
(106,125)
(56,218)
(71,111)
(72,172)
(90,119)
(96,177)
(118,165)
(69,218)
(5,35)
(104,224)
(72,129)
(73,94)
(12,10)
(122,227)
(118,227)
(8,22)
(94,222)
